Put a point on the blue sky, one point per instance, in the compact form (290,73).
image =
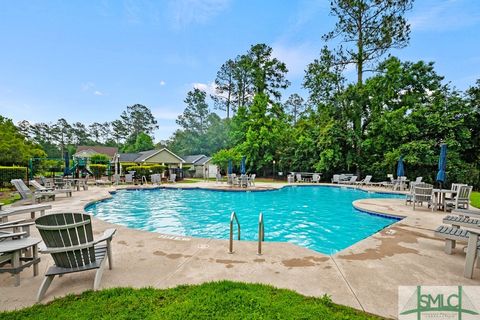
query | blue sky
(87,60)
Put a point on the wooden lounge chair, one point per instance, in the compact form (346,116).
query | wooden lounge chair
(336,178)
(32,208)
(69,239)
(473,253)
(423,193)
(128,178)
(299,177)
(41,188)
(172,178)
(353,180)
(315,178)
(451,234)
(365,181)
(17,249)
(251,181)
(462,198)
(27,194)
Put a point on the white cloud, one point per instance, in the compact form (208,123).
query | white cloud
(87,86)
(162,83)
(444,15)
(296,57)
(90,87)
(186,12)
(209,88)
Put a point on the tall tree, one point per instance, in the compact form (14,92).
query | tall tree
(119,131)
(225,94)
(195,115)
(295,106)
(268,73)
(138,118)
(367,29)
(95,130)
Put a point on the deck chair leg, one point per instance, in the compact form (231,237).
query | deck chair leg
(16,264)
(98,276)
(471,256)
(449,245)
(109,254)
(44,287)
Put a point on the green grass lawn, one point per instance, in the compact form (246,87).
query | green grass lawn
(7,196)
(215,300)
(475,199)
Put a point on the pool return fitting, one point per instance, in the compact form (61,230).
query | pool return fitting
(261,232)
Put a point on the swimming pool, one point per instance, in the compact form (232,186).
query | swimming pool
(321,218)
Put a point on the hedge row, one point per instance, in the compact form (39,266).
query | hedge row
(146,170)
(98,170)
(9,173)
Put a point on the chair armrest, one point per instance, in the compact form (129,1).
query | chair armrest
(17,225)
(11,222)
(11,235)
(107,235)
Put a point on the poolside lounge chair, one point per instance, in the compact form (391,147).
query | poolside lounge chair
(299,177)
(156,178)
(336,178)
(172,178)
(128,178)
(315,178)
(32,208)
(473,253)
(17,248)
(352,180)
(251,181)
(40,188)
(69,239)
(462,198)
(27,194)
(218,178)
(423,193)
(365,181)
(451,234)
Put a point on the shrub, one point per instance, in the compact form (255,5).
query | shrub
(9,173)
(99,159)
(98,169)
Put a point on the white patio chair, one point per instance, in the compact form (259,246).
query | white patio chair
(462,198)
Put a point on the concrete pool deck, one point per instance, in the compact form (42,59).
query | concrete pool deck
(365,276)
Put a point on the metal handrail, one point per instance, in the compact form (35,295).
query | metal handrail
(232,217)
(261,233)
(144,179)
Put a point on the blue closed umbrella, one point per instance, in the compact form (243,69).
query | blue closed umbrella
(242,165)
(230,167)
(442,164)
(400,168)
(66,171)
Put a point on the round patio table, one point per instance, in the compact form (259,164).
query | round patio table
(22,253)
(440,197)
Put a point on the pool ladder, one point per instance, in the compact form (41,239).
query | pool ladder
(261,232)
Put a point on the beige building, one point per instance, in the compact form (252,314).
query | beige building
(163,157)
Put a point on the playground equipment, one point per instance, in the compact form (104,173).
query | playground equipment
(75,167)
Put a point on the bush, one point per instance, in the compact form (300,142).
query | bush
(9,173)
(99,159)
(98,170)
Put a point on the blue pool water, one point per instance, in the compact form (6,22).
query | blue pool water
(317,217)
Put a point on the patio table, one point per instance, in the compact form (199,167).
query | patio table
(20,253)
(440,194)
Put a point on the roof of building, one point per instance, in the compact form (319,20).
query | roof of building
(109,151)
(143,155)
(203,161)
(192,159)
(128,157)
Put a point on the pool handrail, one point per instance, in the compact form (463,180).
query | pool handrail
(261,233)
(233,216)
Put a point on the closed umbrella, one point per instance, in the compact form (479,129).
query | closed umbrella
(400,168)
(442,165)
(230,167)
(66,171)
(242,165)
